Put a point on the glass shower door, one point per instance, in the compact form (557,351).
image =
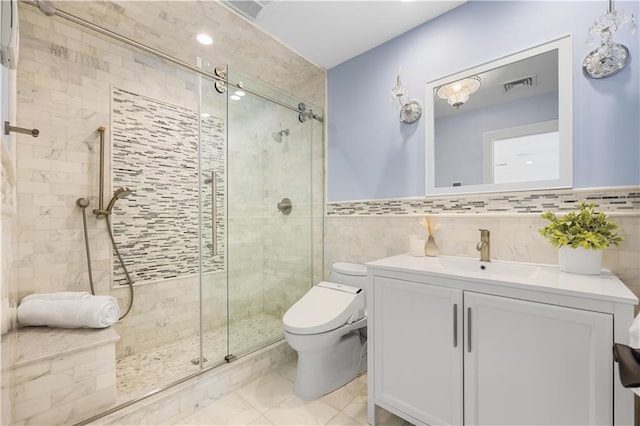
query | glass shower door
(268,216)
(213,226)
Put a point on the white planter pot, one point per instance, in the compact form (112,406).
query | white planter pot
(580,260)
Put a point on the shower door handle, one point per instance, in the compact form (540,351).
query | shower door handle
(214,213)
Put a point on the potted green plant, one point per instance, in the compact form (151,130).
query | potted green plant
(581,236)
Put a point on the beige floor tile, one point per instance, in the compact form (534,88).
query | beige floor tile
(342,419)
(357,410)
(358,387)
(230,410)
(266,392)
(295,411)
(261,421)
(339,398)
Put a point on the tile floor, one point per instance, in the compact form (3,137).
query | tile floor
(143,372)
(269,400)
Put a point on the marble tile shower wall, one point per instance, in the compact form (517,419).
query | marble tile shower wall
(79,70)
(288,254)
(364,231)
(60,65)
(245,210)
(65,79)
(238,43)
(271,253)
(8,277)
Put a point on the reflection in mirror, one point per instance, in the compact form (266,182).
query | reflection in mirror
(513,132)
(522,154)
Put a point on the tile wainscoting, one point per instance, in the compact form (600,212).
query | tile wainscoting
(362,231)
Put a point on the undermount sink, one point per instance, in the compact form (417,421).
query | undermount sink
(461,264)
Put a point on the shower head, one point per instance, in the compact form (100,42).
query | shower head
(277,136)
(121,192)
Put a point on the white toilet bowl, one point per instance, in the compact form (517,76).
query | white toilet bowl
(326,328)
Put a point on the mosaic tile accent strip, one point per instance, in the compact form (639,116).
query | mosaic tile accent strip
(154,153)
(613,200)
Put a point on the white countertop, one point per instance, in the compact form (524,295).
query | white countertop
(545,278)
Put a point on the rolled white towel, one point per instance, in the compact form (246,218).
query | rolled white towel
(91,312)
(60,295)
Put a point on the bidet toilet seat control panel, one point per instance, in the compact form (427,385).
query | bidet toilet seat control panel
(325,307)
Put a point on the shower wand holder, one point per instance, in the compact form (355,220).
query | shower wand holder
(101,214)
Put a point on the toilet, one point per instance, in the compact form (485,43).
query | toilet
(327,327)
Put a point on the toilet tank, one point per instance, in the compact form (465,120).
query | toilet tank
(351,274)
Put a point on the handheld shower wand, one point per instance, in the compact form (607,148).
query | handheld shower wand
(101,213)
(121,192)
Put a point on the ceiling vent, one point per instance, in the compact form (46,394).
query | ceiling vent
(247,8)
(530,81)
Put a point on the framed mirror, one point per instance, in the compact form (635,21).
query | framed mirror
(502,126)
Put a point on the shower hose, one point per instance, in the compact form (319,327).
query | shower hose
(115,249)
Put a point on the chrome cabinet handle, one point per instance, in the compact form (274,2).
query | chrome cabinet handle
(468,329)
(455,325)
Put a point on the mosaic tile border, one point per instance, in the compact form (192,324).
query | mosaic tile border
(612,200)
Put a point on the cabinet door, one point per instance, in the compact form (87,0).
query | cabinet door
(418,365)
(536,364)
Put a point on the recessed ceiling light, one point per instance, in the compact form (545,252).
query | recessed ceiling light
(234,97)
(239,93)
(205,115)
(204,39)
(528,162)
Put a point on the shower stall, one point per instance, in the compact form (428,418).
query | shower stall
(205,231)
(221,228)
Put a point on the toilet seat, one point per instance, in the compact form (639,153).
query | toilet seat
(324,307)
(353,269)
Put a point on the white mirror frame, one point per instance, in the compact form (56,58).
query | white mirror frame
(565,119)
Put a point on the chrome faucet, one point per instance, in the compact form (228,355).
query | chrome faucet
(484,246)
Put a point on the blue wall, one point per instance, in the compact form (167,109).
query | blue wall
(371,154)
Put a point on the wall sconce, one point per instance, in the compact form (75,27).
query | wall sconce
(457,93)
(609,57)
(410,109)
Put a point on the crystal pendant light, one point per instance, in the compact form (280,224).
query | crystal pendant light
(609,57)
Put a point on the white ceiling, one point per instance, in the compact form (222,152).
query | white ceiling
(330,32)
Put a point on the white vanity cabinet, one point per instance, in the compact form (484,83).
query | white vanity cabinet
(418,357)
(536,363)
(485,349)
